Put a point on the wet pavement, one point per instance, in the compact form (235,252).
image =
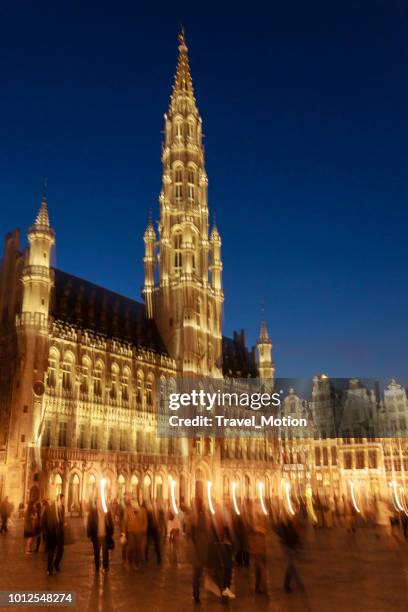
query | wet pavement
(341,572)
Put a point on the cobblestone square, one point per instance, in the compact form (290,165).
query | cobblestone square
(340,572)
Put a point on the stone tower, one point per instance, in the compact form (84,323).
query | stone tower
(186,300)
(32,327)
(266,367)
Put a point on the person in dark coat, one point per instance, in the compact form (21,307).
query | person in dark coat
(200,535)
(100,530)
(53,528)
(290,538)
(5,511)
(152,534)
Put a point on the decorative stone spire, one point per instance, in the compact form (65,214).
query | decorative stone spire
(42,217)
(183,90)
(264,336)
(266,367)
(186,300)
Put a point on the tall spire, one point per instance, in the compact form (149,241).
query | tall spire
(264,336)
(42,217)
(183,83)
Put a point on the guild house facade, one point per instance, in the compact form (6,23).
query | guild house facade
(84,371)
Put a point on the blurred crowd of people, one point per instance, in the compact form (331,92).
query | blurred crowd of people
(213,539)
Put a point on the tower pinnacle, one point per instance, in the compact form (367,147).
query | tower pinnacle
(42,217)
(183,83)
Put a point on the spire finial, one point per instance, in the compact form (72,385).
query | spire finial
(45,189)
(183,85)
(182,40)
(149,216)
(214,219)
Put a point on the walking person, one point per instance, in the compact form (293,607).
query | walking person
(291,544)
(152,534)
(100,529)
(5,511)
(200,537)
(135,525)
(173,529)
(258,553)
(37,526)
(53,527)
(29,526)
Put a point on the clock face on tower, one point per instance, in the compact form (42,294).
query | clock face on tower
(38,388)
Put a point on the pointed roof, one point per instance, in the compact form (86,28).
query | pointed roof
(215,234)
(264,336)
(42,217)
(183,83)
(149,232)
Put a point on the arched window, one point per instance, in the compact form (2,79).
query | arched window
(139,388)
(98,372)
(179,129)
(67,372)
(195,258)
(53,364)
(114,381)
(86,374)
(191,184)
(178,183)
(149,392)
(190,128)
(134,481)
(125,384)
(178,257)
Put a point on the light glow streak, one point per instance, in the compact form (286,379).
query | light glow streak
(289,501)
(234,497)
(396,498)
(404,505)
(353,497)
(210,504)
(173,496)
(309,505)
(261,497)
(103,499)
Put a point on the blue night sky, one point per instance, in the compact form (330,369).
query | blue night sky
(304,107)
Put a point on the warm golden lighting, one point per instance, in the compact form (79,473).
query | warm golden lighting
(353,497)
(173,495)
(261,497)
(103,499)
(234,497)
(210,504)
(289,501)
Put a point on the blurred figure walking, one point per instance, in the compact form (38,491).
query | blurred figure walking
(5,511)
(53,527)
(100,531)
(291,543)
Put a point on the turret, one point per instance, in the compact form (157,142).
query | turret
(37,278)
(266,368)
(216,263)
(149,261)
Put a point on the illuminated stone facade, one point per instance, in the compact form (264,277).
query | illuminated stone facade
(83,371)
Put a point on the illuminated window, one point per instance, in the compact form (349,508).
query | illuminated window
(178,257)
(81,436)
(94,437)
(62,434)
(178,181)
